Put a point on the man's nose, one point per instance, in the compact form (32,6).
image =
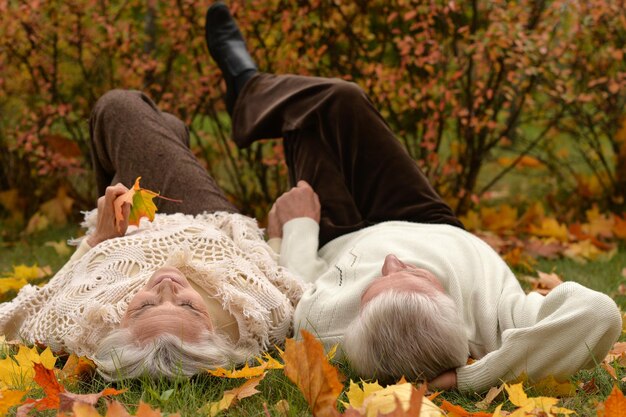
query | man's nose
(392,264)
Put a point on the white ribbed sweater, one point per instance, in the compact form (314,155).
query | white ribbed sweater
(223,253)
(509,332)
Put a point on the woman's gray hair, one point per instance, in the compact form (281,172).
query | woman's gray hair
(408,334)
(119,356)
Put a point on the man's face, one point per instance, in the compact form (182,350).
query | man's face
(167,304)
(396,275)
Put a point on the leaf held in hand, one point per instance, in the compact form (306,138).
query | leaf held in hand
(141,204)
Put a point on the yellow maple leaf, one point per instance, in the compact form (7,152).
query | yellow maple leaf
(266,362)
(499,219)
(471,221)
(11,284)
(245,372)
(9,398)
(13,203)
(28,273)
(60,247)
(549,227)
(533,214)
(17,370)
(586,251)
(526,405)
(371,399)
(599,225)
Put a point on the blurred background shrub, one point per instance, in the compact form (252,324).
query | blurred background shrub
(494,99)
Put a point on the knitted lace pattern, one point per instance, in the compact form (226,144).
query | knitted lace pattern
(224,253)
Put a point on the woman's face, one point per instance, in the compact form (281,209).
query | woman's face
(167,304)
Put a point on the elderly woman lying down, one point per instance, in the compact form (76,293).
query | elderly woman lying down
(196,288)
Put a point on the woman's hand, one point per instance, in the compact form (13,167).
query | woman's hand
(445,381)
(274,228)
(106,227)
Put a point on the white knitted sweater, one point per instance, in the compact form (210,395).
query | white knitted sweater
(509,332)
(223,253)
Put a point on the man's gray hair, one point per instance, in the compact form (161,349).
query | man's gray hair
(410,334)
(119,356)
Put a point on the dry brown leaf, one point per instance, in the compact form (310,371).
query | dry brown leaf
(230,397)
(68,399)
(282,407)
(547,248)
(545,282)
(589,387)
(609,369)
(491,395)
(307,367)
(617,352)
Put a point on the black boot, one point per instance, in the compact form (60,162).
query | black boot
(228,49)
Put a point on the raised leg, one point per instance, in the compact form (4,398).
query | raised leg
(131,137)
(338,142)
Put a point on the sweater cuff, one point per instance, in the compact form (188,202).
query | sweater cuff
(304,227)
(275,243)
(474,378)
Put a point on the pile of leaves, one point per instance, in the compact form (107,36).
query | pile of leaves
(522,237)
(29,381)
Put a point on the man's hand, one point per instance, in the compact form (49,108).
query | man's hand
(445,381)
(300,201)
(106,227)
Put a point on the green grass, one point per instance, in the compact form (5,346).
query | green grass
(187,396)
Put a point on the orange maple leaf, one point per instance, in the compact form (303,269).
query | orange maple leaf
(115,409)
(46,379)
(319,381)
(458,411)
(56,396)
(77,368)
(619,227)
(615,404)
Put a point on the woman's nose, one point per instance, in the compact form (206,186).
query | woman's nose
(167,289)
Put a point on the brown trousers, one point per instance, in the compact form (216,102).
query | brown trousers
(333,137)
